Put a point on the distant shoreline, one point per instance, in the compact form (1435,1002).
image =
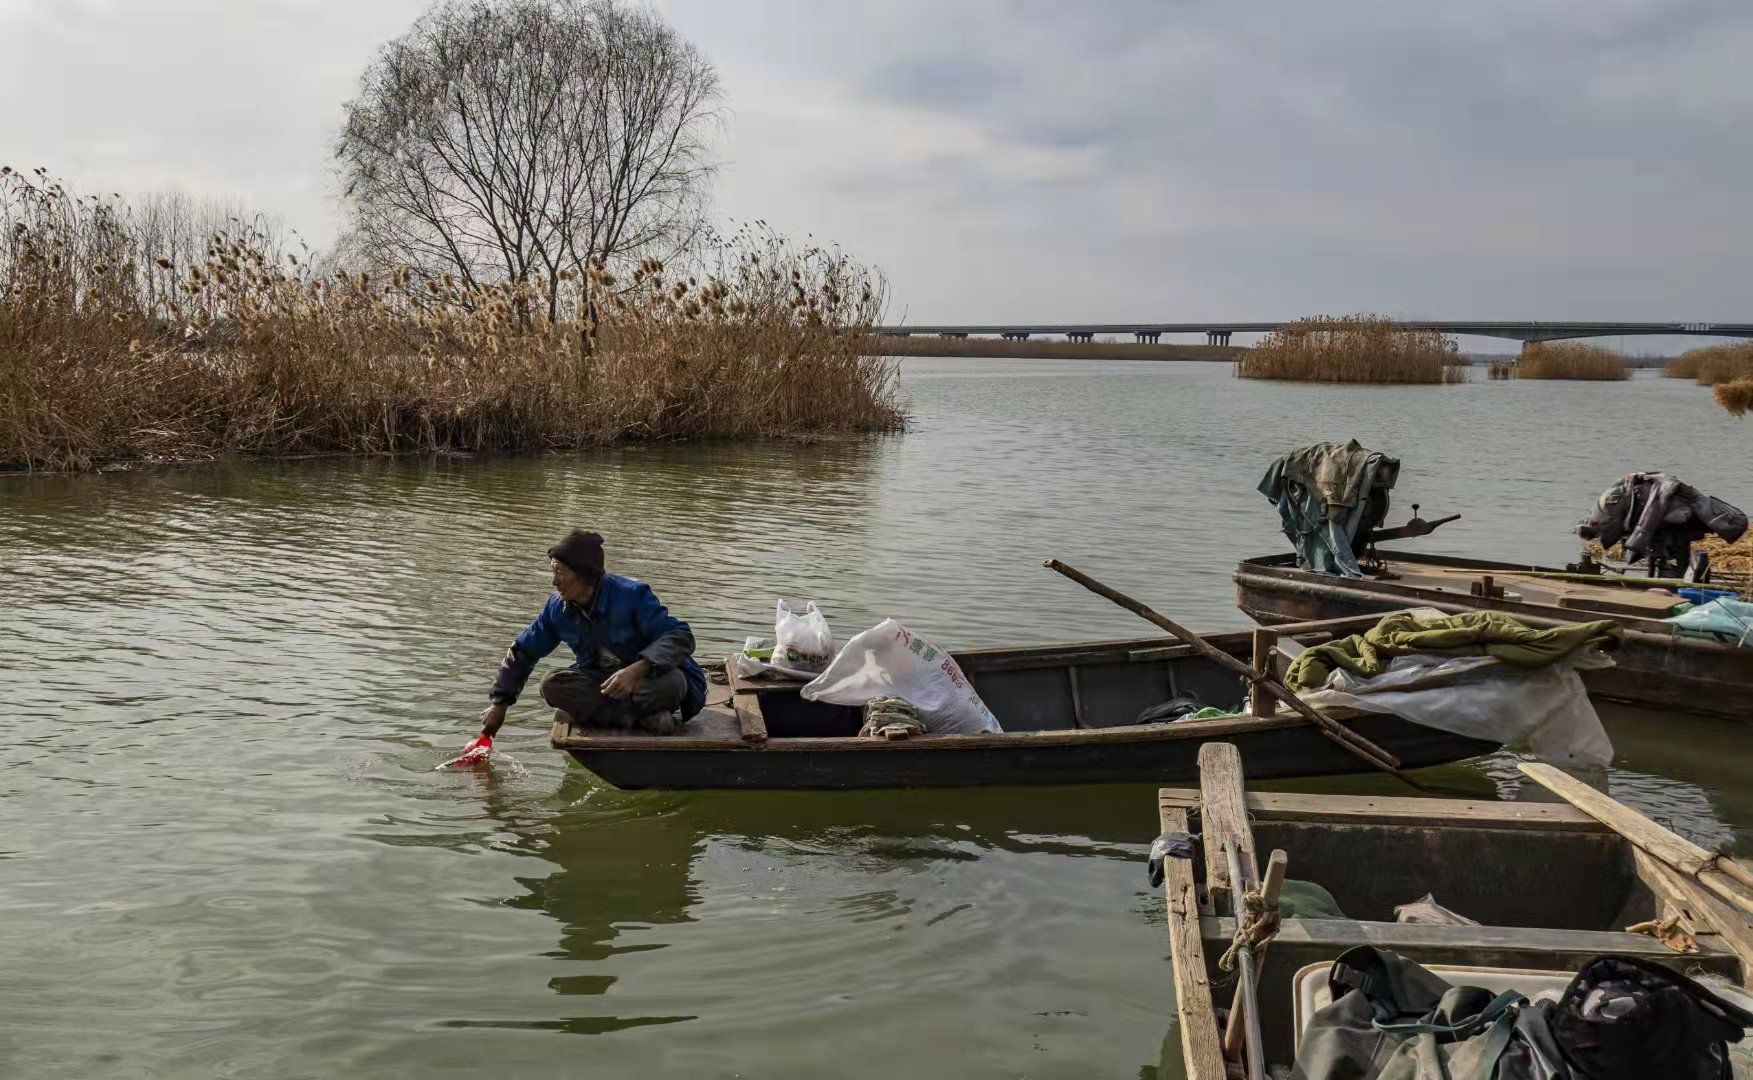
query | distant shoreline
(998,348)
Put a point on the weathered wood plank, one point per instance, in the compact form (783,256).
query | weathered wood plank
(1485,945)
(749,719)
(751,725)
(1375,810)
(1668,846)
(1699,907)
(1224,820)
(1198,1017)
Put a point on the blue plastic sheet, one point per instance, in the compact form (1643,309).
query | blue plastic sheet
(1727,620)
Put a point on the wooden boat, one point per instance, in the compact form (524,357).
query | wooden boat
(1550,885)
(1654,666)
(1067,711)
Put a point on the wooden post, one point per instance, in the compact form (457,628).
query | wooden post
(1260,699)
(1223,815)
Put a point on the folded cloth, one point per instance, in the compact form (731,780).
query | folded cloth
(1471,633)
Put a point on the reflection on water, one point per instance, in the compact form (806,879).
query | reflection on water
(224,852)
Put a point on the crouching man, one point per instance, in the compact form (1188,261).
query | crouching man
(635,667)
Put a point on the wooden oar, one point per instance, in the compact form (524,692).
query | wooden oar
(1350,740)
(1723,876)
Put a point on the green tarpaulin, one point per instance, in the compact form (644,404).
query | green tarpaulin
(1472,633)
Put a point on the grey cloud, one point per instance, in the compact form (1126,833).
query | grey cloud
(1011,158)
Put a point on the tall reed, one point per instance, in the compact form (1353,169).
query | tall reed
(1353,349)
(1570,360)
(1736,396)
(109,351)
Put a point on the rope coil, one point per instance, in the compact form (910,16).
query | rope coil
(1255,925)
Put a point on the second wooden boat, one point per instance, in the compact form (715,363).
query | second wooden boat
(1654,665)
(1068,711)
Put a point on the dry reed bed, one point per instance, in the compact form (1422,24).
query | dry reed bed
(1570,360)
(1353,349)
(1713,364)
(109,352)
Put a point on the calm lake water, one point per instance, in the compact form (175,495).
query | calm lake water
(224,852)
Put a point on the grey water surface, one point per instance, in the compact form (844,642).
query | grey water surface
(224,851)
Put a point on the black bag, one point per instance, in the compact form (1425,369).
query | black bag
(1626,1019)
(1619,1019)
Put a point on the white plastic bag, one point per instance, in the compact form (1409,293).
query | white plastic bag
(802,644)
(890,660)
(1545,711)
(750,666)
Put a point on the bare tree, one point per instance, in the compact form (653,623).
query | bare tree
(528,140)
(173,230)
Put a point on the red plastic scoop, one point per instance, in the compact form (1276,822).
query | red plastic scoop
(473,754)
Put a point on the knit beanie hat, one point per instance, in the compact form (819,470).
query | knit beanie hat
(582,551)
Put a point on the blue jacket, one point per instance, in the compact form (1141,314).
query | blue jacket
(626,622)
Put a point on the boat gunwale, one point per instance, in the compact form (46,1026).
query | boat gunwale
(1301,808)
(562,739)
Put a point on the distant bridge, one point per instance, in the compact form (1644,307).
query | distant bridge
(1218,333)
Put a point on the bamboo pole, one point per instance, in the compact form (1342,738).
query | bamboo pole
(1338,733)
(1247,1002)
(1270,885)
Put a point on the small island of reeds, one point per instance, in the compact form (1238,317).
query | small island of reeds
(1713,364)
(1727,368)
(1570,360)
(1353,349)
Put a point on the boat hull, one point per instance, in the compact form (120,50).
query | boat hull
(1653,667)
(1283,749)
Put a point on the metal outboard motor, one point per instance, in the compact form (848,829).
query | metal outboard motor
(1658,518)
(1332,500)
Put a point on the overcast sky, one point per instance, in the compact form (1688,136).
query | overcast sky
(1118,159)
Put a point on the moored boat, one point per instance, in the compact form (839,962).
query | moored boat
(1069,714)
(1655,665)
(1547,888)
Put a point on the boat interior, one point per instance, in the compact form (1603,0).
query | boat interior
(1546,888)
(1508,583)
(1058,687)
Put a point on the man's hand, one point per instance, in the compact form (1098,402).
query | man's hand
(492,718)
(622,683)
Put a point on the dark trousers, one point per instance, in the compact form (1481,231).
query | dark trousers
(652,707)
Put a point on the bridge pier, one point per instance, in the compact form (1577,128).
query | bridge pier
(953,334)
(1081,337)
(1148,337)
(1217,337)
(1015,335)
